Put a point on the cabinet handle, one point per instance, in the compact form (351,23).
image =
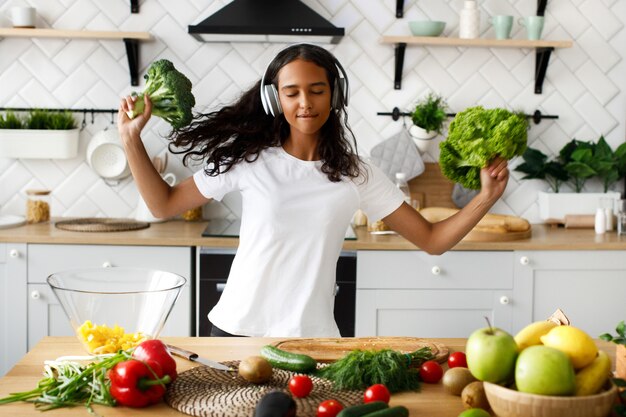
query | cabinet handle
(524,260)
(504,300)
(107,264)
(435,270)
(14,253)
(35,295)
(336,290)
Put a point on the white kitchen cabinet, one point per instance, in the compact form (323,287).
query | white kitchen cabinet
(45,315)
(412,293)
(589,286)
(12,304)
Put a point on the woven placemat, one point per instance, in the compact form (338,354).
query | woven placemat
(204,391)
(96,224)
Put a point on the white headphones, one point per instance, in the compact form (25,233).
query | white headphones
(269,93)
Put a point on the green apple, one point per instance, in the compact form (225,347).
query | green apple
(491,354)
(474,412)
(544,370)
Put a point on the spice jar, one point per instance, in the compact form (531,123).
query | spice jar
(37,206)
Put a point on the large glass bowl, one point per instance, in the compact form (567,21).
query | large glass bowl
(116,308)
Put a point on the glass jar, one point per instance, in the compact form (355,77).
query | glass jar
(621,217)
(37,206)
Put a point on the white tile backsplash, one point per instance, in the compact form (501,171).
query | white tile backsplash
(585,84)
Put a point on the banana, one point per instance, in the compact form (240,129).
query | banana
(530,334)
(591,378)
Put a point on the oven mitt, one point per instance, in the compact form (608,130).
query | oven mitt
(398,154)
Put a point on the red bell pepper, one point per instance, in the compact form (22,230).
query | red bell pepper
(156,351)
(137,384)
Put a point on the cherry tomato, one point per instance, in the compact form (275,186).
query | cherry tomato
(377,392)
(431,372)
(457,359)
(329,408)
(300,385)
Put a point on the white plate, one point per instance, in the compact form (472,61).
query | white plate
(9,220)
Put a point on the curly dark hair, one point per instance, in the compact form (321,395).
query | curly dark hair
(240,131)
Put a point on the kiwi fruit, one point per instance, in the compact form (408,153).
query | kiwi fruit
(255,369)
(455,379)
(473,396)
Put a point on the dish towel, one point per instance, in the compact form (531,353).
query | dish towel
(398,154)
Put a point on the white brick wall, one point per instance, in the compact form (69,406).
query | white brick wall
(585,85)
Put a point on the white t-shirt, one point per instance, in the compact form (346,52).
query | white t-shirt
(293,224)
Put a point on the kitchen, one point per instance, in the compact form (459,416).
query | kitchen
(583,86)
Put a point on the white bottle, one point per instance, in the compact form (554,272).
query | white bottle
(600,221)
(469,23)
(403,186)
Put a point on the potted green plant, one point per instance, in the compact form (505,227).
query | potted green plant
(428,117)
(577,162)
(38,134)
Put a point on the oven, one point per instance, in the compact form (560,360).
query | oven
(214,267)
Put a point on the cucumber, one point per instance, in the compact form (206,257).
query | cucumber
(281,359)
(362,409)
(397,411)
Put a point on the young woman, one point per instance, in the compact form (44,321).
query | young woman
(285,145)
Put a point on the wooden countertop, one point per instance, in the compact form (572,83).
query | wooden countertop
(431,401)
(182,233)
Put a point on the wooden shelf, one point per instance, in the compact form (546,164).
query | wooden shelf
(480,42)
(543,49)
(131,41)
(71,34)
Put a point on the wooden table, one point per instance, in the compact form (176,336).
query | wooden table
(431,401)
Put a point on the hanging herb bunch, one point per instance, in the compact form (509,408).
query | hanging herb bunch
(360,369)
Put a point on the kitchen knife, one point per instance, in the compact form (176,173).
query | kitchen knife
(191,356)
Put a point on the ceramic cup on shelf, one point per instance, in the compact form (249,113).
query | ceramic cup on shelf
(502,26)
(143,213)
(23,17)
(533,25)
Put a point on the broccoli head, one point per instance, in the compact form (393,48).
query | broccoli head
(170,93)
(475,137)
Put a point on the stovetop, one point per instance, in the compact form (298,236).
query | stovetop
(230,228)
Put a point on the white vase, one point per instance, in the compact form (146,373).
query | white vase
(38,144)
(555,206)
(469,21)
(421,137)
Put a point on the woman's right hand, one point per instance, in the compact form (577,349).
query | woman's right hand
(131,128)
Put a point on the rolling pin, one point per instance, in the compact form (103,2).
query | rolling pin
(579,221)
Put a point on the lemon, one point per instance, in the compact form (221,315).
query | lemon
(577,344)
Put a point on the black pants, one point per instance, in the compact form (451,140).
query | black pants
(217,332)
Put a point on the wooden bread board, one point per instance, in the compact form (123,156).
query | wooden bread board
(332,349)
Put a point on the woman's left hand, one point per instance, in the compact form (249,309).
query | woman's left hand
(494,177)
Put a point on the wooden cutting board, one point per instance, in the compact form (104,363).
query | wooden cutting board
(332,349)
(482,236)
(204,391)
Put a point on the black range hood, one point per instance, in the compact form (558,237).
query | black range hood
(282,21)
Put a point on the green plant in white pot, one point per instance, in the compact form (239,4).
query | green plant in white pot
(40,134)
(428,117)
(577,162)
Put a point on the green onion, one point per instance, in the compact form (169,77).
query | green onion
(67,384)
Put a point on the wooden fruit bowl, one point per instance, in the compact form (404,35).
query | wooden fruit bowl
(510,403)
